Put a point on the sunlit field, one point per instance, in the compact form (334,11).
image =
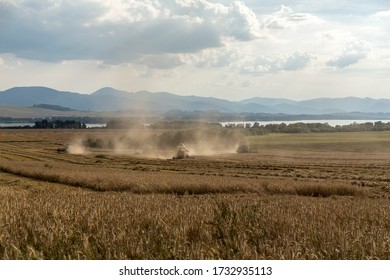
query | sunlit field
(295,196)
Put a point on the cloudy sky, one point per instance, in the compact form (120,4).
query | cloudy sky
(297,49)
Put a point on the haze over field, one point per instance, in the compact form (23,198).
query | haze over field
(226,49)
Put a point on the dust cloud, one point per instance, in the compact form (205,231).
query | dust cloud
(150,143)
(76,147)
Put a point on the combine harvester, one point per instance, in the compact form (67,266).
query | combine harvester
(181,152)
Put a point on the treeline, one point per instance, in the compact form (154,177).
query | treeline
(179,124)
(300,127)
(174,124)
(215,116)
(61,118)
(253,129)
(69,124)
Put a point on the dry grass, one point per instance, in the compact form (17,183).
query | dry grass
(141,182)
(266,205)
(49,221)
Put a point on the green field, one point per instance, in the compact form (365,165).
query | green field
(359,142)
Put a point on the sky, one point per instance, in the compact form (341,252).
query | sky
(296,49)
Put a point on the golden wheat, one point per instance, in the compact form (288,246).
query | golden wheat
(50,221)
(277,203)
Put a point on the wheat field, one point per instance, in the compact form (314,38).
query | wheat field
(318,197)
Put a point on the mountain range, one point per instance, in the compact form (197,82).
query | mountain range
(109,99)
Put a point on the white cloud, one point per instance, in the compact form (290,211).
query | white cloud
(380,23)
(130,11)
(2,62)
(260,64)
(165,61)
(383,15)
(215,58)
(285,17)
(297,61)
(247,83)
(235,20)
(246,61)
(351,54)
(242,23)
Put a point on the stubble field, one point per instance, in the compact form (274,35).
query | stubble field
(296,196)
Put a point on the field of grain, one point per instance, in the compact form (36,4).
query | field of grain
(295,196)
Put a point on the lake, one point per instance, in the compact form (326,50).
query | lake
(330,122)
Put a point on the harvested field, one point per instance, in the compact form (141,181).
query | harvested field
(295,196)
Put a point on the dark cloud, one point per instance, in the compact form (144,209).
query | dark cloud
(82,30)
(32,30)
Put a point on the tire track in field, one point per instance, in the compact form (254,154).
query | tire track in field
(206,166)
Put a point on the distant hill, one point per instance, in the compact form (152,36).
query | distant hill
(324,105)
(109,99)
(52,107)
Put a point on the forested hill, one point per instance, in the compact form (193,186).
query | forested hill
(109,99)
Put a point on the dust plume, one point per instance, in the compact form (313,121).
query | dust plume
(76,148)
(165,144)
